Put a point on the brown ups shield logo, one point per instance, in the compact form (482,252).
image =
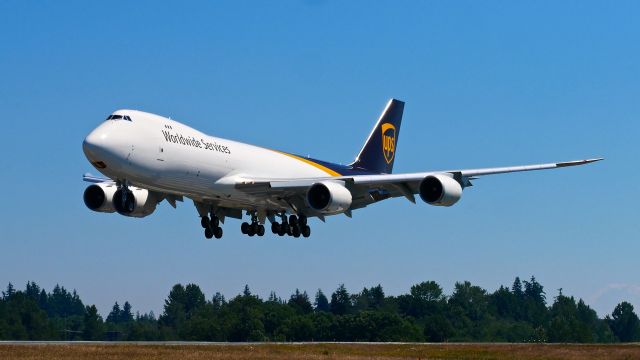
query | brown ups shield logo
(388,142)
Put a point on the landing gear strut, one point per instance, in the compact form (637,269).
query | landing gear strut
(255,228)
(127,201)
(211,227)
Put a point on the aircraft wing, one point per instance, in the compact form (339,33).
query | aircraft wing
(367,189)
(470,173)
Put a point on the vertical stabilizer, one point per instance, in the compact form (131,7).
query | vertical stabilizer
(379,151)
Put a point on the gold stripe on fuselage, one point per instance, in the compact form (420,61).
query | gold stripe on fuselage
(312,163)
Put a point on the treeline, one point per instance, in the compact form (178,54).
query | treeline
(519,313)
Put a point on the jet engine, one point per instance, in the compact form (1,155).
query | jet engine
(440,190)
(99,197)
(329,197)
(137,203)
(106,197)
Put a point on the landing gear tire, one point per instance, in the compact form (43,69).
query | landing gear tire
(302,220)
(245,228)
(275,227)
(129,203)
(260,230)
(208,233)
(204,222)
(295,231)
(306,231)
(217,232)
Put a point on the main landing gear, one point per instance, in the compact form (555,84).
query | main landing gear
(295,227)
(211,227)
(292,225)
(255,228)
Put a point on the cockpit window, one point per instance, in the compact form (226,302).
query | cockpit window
(118,117)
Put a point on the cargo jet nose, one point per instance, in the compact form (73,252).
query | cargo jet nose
(92,143)
(95,147)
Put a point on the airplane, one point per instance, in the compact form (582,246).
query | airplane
(148,158)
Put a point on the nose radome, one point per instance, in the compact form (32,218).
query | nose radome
(93,144)
(89,144)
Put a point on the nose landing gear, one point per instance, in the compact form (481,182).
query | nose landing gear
(124,200)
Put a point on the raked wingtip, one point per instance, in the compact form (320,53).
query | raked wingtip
(578,162)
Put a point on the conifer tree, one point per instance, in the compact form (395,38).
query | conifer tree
(115,315)
(92,324)
(624,322)
(321,302)
(340,301)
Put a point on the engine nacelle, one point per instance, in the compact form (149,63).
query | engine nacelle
(99,197)
(139,202)
(329,197)
(440,190)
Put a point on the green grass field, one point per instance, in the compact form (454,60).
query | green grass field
(317,351)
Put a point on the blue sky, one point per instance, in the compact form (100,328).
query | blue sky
(485,84)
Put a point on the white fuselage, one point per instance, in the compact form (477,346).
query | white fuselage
(163,155)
